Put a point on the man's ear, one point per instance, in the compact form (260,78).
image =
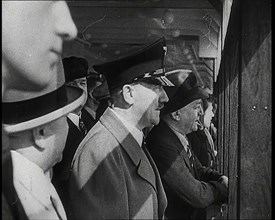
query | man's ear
(127,92)
(39,136)
(175,115)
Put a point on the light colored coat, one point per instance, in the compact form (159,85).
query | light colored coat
(35,190)
(113,178)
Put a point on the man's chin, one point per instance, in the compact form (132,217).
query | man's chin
(155,121)
(157,117)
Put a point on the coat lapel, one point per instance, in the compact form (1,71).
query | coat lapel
(34,190)
(174,138)
(160,190)
(130,145)
(88,119)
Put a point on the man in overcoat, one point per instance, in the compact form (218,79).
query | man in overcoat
(114,177)
(29,52)
(187,184)
(37,130)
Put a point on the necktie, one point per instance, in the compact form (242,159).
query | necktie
(143,143)
(186,144)
(82,126)
(189,154)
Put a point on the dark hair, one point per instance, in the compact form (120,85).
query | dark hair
(205,102)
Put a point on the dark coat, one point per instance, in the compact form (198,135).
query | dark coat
(187,189)
(88,119)
(202,149)
(62,170)
(112,176)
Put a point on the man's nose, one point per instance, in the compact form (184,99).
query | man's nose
(163,96)
(65,26)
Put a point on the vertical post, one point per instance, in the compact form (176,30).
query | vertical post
(244,89)
(255,140)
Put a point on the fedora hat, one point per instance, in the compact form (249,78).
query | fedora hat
(75,68)
(24,110)
(146,64)
(186,90)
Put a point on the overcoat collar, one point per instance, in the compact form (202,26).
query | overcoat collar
(130,145)
(32,184)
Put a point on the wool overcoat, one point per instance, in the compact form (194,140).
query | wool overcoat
(62,170)
(113,177)
(187,188)
(88,119)
(14,208)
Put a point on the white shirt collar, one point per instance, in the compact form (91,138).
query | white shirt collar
(74,118)
(34,189)
(136,133)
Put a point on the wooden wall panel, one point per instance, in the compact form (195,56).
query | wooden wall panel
(255,172)
(244,94)
(232,147)
(228,83)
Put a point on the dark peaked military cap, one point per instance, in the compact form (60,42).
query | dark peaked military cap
(145,65)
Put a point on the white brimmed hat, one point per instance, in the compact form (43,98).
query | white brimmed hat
(41,108)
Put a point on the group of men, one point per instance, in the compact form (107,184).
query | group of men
(110,169)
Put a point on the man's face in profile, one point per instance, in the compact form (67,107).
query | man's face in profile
(32,37)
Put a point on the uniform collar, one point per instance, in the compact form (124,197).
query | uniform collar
(136,133)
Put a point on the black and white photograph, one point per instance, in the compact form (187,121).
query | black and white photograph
(136,109)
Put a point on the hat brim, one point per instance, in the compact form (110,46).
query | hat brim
(75,97)
(181,99)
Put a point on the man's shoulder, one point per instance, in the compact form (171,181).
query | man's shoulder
(159,133)
(195,136)
(97,140)
(95,150)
